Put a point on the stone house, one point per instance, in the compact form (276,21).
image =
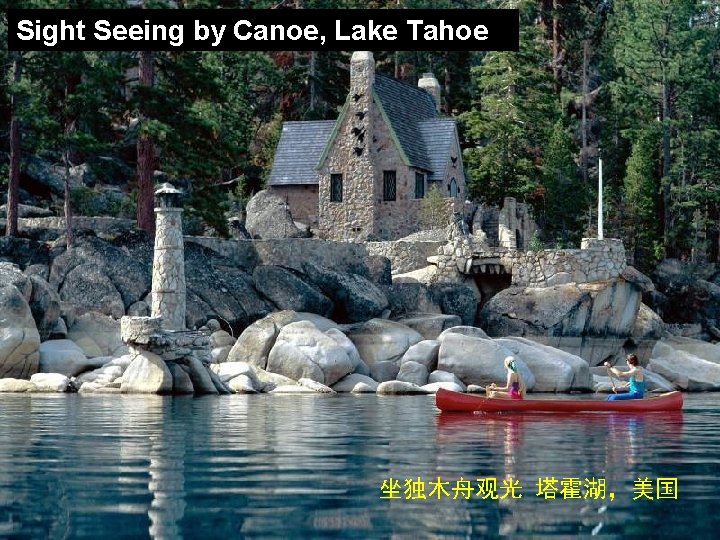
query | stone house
(364,175)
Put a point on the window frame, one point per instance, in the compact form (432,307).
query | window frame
(335,179)
(420,182)
(389,186)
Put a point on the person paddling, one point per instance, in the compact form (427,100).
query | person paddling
(635,376)
(515,386)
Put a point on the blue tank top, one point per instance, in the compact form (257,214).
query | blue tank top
(637,386)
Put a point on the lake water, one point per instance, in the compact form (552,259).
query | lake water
(314,466)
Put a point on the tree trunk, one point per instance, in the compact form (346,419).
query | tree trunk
(145,154)
(66,205)
(667,218)
(313,80)
(11,227)
(556,47)
(583,124)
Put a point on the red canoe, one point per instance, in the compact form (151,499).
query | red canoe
(449,401)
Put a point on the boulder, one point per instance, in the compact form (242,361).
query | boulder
(424,352)
(413,372)
(430,325)
(268,217)
(19,337)
(286,289)
(380,340)
(45,306)
(354,382)
(97,335)
(686,371)
(355,297)
(65,357)
(147,374)
(50,382)
(554,370)
(478,361)
(303,351)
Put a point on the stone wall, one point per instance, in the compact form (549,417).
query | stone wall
(405,256)
(597,260)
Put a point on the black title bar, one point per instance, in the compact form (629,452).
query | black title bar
(263,29)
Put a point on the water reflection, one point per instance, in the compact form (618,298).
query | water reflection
(312,466)
(588,482)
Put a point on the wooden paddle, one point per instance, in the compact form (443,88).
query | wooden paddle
(612,380)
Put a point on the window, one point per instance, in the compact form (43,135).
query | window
(419,185)
(389,186)
(453,187)
(336,188)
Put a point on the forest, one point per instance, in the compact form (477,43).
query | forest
(632,83)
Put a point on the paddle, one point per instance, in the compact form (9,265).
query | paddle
(612,380)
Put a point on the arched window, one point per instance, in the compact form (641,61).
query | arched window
(453,188)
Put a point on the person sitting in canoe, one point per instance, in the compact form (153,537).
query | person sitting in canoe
(515,386)
(635,376)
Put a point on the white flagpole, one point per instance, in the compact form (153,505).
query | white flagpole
(600,201)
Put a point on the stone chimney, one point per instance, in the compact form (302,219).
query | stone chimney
(362,75)
(430,83)
(168,275)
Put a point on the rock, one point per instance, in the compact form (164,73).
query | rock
(268,217)
(384,371)
(254,344)
(220,338)
(684,370)
(19,338)
(10,274)
(97,335)
(341,339)
(64,356)
(438,376)
(287,290)
(355,297)
(200,376)
(354,382)
(554,370)
(457,299)
(303,351)
(470,331)
(478,361)
(147,374)
(430,325)
(91,290)
(413,372)
(378,340)
(16,385)
(181,381)
(316,386)
(268,381)
(640,280)
(432,388)
(424,352)
(50,382)
(399,387)
(242,384)
(292,389)
(45,306)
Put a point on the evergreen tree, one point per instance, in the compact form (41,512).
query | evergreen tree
(641,187)
(659,57)
(511,118)
(562,222)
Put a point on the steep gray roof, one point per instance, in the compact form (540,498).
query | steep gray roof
(438,135)
(406,106)
(298,152)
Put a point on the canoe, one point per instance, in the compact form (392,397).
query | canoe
(450,401)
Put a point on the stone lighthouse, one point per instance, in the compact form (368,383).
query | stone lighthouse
(168,276)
